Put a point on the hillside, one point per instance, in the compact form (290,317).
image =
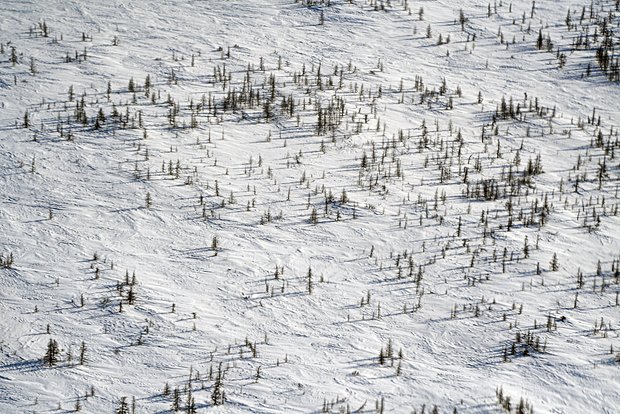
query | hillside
(307,206)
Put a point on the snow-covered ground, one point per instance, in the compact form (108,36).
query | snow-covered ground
(212,210)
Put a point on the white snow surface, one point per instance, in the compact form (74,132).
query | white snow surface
(65,201)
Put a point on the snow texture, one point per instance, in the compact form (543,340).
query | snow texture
(212,212)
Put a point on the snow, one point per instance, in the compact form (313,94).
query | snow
(322,346)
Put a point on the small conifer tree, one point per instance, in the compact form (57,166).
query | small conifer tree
(51,356)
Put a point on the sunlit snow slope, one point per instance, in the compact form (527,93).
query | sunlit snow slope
(267,206)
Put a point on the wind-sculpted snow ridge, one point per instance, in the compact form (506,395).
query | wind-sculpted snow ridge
(295,206)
